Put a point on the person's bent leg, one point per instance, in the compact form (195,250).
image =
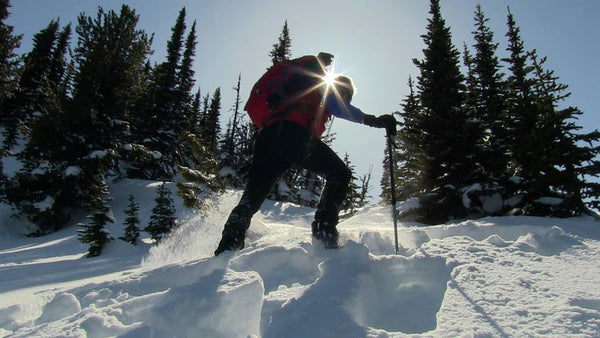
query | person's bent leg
(264,171)
(319,158)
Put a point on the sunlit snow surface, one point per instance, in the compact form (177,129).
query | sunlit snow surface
(506,276)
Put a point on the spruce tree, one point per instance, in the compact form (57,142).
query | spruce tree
(185,78)
(448,137)
(111,54)
(230,158)
(282,50)
(487,93)
(563,160)
(9,60)
(353,195)
(409,156)
(169,103)
(484,98)
(521,123)
(8,82)
(212,129)
(60,167)
(132,222)
(198,181)
(163,219)
(41,190)
(96,233)
(365,187)
(33,93)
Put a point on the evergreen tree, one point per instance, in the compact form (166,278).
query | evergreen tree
(448,136)
(231,144)
(409,156)
(60,68)
(111,55)
(60,167)
(185,76)
(353,195)
(521,122)
(563,160)
(212,129)
(486,95)
(163,219)
(198,181)
(96,233)
(9,60)
(282,50)
(42,190)
(484,98)
(132,222)
(194,119)
(169,104)
(33,94)
(365,187)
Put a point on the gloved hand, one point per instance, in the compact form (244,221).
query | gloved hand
(386,121)
(325,58)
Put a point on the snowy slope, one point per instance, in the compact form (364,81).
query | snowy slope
(509,276)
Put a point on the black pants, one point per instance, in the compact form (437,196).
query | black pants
(277,148)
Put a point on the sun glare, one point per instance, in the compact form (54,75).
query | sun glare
(329,78)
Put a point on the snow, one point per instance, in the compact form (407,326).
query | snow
(47,203)
(73,171)
(496,276)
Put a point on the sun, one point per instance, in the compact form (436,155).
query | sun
(329,78)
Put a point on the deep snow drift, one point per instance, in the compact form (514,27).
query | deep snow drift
(508,276)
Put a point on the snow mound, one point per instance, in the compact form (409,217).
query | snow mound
(498,276)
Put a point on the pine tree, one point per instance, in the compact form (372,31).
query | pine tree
(132,222)
(212,128)
(163,219)
(484,98)
(522,117)
(194,119)
(365,187)
(186,81)
(448,137)
(169,101)
(353,195)
(41,190)
(198,181)
(563,161)
(409,155)
(33,93)
(111,55)
(9,60)
(60,68)
(96,233)
(231,144)
(487,93)
(60,167)
(282,50)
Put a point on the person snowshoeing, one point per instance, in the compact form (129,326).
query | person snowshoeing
(291,135)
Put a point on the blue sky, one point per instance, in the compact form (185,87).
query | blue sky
(374,43)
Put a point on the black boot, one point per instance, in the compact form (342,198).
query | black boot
(325,233)
(231,241)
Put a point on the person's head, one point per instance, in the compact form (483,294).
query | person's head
(345,87)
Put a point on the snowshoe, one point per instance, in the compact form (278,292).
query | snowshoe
(231,241)
(326,234)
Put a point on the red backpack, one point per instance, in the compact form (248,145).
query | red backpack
(269,86)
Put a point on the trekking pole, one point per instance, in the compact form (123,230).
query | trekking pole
(393,187)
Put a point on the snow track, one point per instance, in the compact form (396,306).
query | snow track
(511,276)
